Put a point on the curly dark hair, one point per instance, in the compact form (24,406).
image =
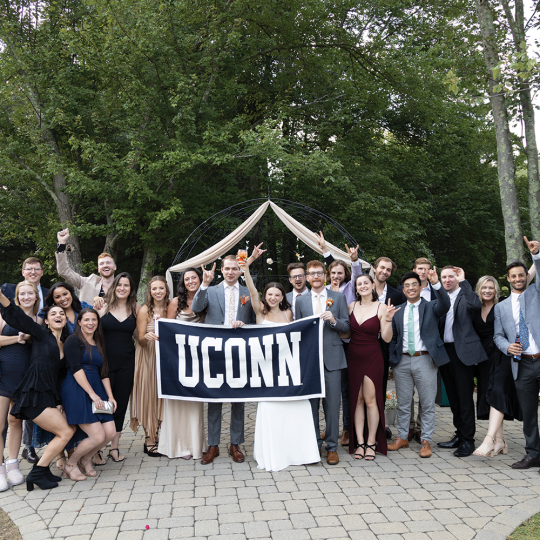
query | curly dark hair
(374,295)
(182,292)
(283,305)
(75,302)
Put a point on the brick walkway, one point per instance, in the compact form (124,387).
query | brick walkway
(396,497)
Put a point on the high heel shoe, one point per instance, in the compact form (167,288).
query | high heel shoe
(152,451)
(488,453)
(503,449)
(38,476)
(87,468)
(73,473)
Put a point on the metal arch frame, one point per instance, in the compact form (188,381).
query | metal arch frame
(235,210)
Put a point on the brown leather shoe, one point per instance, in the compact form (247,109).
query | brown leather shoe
(209,455)
(398,443)
(425,451)
(345,438)
(332,458)
(237,456)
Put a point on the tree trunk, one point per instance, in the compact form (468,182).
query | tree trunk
(517,27)
(147,269)
(112,237)
(505,158)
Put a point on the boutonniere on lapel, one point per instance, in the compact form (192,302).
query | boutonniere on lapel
(244,299)
(329,303)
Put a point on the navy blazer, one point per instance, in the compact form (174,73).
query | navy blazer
(429,314)
(469,348)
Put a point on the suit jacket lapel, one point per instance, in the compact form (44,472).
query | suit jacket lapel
(221,296)
(309,303)
(398,317)
(421,309)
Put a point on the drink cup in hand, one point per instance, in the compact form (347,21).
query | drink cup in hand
(241,257)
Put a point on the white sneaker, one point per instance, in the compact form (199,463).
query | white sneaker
(3,479)
(14,475)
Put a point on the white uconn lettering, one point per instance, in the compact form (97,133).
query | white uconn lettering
(193,341)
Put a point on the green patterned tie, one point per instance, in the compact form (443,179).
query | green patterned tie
(411,331)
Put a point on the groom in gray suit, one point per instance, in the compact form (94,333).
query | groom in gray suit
(226,303)
(332,307)
(520,315)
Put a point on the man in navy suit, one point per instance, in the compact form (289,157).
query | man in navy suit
(32,271)
(416,351)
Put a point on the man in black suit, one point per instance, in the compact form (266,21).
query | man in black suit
(464,349)
(382,270)
(32,271)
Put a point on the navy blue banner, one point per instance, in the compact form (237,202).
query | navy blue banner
(203,362)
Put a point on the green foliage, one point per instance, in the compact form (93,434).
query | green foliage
(167,112)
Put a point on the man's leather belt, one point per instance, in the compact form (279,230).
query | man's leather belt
(537,355)
(420,353)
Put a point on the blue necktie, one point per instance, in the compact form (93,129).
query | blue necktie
(523,331)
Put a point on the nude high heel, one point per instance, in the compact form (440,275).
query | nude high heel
(487,454)
(73,473)
(503,449)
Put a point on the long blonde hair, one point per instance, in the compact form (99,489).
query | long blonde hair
(33,285)
(481,282)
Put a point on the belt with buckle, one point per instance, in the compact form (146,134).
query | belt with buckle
(418,353)
(537,355)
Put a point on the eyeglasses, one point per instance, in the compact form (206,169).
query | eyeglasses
(297,277)
(38,269)
(316,274)
(411,286)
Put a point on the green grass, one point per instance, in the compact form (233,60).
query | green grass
(528,530)
(8,530)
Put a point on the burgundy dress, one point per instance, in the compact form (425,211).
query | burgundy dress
(364,359)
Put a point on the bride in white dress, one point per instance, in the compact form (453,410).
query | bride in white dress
(284,430)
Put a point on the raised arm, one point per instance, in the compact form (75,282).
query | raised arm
(62,266)
(200,300)
(534,248)
(255,302)
(17,318)
(443,300)
(473,302)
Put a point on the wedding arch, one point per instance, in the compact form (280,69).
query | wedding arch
(242,222)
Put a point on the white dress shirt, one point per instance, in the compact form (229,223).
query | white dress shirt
(295,295)
(323,297)
(382,297)
(533,347)
(418,343)
(448,330)
(41,299)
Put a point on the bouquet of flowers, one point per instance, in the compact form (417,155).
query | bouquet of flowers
(391,401)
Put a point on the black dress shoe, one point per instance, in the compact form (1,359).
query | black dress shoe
(464,449)
(526,463)
(388,433)
(452,443)
(30,455)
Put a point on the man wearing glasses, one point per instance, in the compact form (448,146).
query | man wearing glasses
(332,308)
(32,271)
(297,278)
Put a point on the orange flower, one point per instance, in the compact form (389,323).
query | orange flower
(244,300)
(329,303)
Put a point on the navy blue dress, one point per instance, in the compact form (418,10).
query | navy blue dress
(14,361)
(76,401)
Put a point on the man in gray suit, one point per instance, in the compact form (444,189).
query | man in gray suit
(226,303)
(297,278)
(520,315)
(416,351)
(464,349)
(332,307)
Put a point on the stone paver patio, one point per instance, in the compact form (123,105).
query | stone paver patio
(397,497)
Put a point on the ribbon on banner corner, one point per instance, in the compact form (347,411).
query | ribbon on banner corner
(218,363)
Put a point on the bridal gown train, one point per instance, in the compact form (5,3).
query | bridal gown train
(284,434)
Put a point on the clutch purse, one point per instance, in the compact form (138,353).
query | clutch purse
(107,408)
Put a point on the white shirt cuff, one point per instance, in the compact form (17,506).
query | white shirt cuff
(355,263)
(327,254)
(535,257)
(437,285)
(203,288)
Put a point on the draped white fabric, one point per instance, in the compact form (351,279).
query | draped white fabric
(224,246)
